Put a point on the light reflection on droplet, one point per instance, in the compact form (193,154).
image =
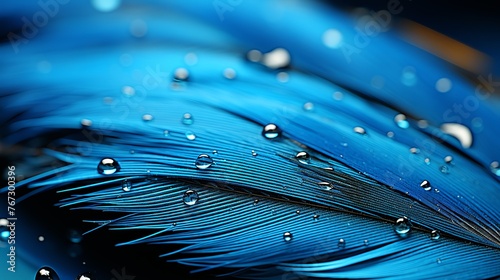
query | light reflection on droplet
(459,131)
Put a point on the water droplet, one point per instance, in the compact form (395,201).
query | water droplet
(303,157)
(46,273)
(297,212)
(271,131)
(425,185)
(308,106)
(166,133)
(190,135)
(190,197)
(435,235)
(401,121)
(332,38)
(341,243)
(402,226)
(229,73)
(444,169)
(326,185)
(338,95)
(191,58)
(315,217)
(203,161)
(443,85)
(359,130)
(448,159)
(459,131)
(438,260)
(254,153)
(254,55)
(174,224)
(436,190)
(255,202)
(84,276)
(390,134)
(126,186)
(128,91)
(138,28)
(106,5)
(86,123)
(414,150)
(215,152)
(427,161)
(408,76)
(187,119)
(287,236)
(282,77)
(181,74)
(366,242)
(74,236)
(495,167)
(108,166)
(41,238)
(277,58)
(422,124)
(147,117)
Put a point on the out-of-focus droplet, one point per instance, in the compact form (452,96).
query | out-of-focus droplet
(191,58)
(106,5)
(138,28)
(443,85)
(448,159)
(41,238)
(190,135)
(190,197)
(282,77)
(86,123)
(359,130)
(108,166)
(425,185)
(427,161)
(203,161)
(409,76)
(444,169)
(187,119)
(229,73)
(402,226)
(181,74)
(390,134)
(414,150)
(277,58)
(166,133)
(128,91)
(126,185)
(308,106)
(147,117)
(435,235)
(366,242)
(287,236)
(495,167)
(46,273)
(44,67)
(303,157)
(338,95)
(459,131)
(254,55)
(332,38)
(271,131)
(74,236)
(401,121)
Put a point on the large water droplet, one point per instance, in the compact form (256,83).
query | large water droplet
(203,161)
(495,167)
(271,131)
(287,236)
(435,235)
(427,161)
(187,119)
(108,166)
(401,121)
(190,135)
(402,226)
(190,197)
(359,130)
(426,185)
(303,157)
(126,185)
(46,273)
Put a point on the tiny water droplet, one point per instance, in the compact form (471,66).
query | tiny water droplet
(46,273)
(438,260)
(341,243)
(402,226)
(174,224)
(187,119)
(254,153)
(448,159)
(297,212)
(215,152)
(366,242)
(203,161)
(128,91)
(401,121)
(390,134)
(181,74)
(303,157)
(435,235)
(425,185)
(315,217)
(271,131)
(190,197)
(495,167)
(108,166)
(229,73)
(287,236)
(359,130)
(414,150)
(436,190)
(308,106)
(190,135)
(126,186)
(147,117)
(84,276)
(166,133)
(74,236)
(427,161)
(255,202)
(444,169)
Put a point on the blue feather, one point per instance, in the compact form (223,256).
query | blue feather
(174,144)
